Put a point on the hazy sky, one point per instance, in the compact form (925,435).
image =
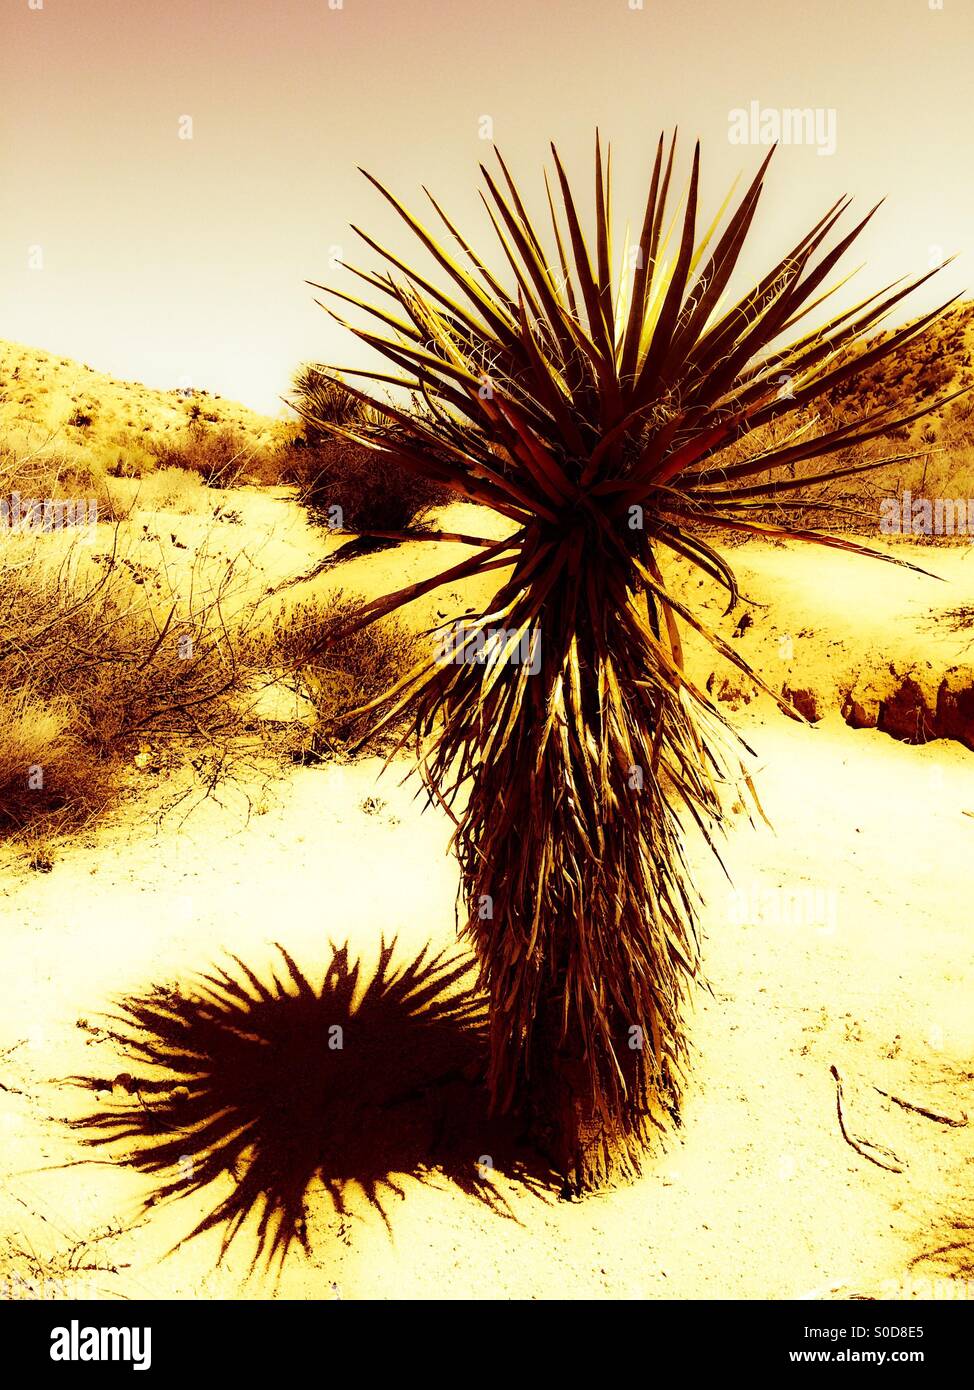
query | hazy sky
(173,260)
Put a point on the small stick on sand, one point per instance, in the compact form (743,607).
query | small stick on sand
(861,1145)
(919,1110)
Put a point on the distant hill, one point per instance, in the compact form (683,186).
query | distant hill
(938,361)
(44,397)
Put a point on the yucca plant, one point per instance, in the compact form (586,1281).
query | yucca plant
(591,412)
(320,400)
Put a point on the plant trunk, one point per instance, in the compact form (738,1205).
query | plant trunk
(573,880)
(587,1146)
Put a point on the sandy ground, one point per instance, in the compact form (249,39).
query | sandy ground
(843,942)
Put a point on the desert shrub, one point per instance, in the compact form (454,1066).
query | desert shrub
(129,457)
(45,472)
(100,659)
(371,492)
(97,654)
(340,676)
(219,457)
(957,430)
(223,457)
(46,776)
(268,466)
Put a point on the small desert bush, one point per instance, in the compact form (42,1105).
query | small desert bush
(345,484)
(97,655)
(100,661)
(338,677)
(125,456)
(221,457)
(353,488)
(45,472)
(47,778)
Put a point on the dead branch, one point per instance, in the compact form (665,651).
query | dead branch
(861,1145)
(921,1110)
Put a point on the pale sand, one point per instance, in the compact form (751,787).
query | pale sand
(866,966)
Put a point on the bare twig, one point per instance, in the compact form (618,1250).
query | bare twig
(861,1145)
(920,1110)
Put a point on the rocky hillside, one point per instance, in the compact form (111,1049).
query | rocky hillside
(52,402)
(938,361)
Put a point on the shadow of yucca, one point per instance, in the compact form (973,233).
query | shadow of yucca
(284,1087)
